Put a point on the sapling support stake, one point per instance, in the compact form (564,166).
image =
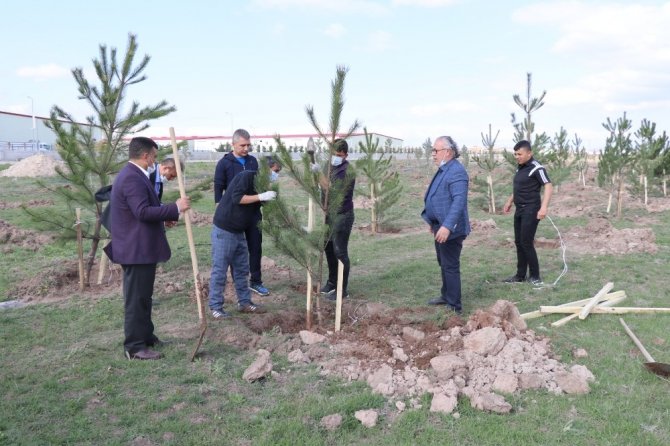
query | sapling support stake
(191,245)
(80,250)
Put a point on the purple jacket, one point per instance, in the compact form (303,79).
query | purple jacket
(137,219)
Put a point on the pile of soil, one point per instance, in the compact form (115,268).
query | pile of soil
(403,354)
(33,166)
(599,237)
(12,237)
(201,218)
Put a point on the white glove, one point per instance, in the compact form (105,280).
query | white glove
(267,196)
(315,168)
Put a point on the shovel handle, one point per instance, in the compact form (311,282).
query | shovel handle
(637,342)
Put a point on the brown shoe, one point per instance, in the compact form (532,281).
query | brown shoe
(143,354)
(251,309)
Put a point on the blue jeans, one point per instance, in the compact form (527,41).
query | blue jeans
(449,259)
(229,249)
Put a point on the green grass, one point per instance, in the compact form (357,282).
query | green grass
(63,379)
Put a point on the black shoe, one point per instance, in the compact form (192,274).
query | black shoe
(457,312)
(332,295)
(514,279)
(437,301)
(327,288)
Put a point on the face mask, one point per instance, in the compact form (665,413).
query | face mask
(151,169)
(163,179)
(274,176)
(336,160)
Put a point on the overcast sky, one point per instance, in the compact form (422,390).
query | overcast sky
(417,68)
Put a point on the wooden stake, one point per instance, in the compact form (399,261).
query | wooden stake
(605,310)
(310,215)
(374,214)
(80,250)
(338,302)
(191,245)
(645,190)
(102,267)
(609,303)
(594,300)
(607,297)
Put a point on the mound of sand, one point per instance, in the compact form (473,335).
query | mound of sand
(33,166)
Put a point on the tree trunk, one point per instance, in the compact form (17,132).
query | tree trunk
(95,241)
(492,203)
(373,198)
(646,196)
(619,198)
(80,251)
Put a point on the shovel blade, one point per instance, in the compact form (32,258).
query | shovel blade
(658,368)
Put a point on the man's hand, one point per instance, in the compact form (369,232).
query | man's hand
(267,196)
(170,224)
(542,213)
(442,234)
(315,168)
(184,204)
(507,207)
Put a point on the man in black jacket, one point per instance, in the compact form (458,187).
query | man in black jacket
(235,213)
(234,162)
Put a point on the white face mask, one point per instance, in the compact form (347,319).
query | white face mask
(336,160)
(151,169)
(274,176)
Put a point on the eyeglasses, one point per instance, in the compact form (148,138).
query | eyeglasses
(436,150)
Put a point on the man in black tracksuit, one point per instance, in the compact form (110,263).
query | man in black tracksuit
(530,177)
(234,162)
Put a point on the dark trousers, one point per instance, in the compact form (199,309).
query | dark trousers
(138,287)
(449,259)
(337,248)
(525,226)
(254,238)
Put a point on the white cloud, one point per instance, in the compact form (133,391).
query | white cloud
(278,29)
(41,72)
(335,30)
(350,6)
(618,34)
(429,110)
(427,3)
(377,41)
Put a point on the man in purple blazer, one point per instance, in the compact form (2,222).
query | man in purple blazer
(139,243)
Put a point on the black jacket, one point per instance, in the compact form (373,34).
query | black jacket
(227,168)
(232,216)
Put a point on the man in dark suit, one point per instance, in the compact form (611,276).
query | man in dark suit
(139,243)
(446,212)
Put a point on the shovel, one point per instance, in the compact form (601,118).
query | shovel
(658,368)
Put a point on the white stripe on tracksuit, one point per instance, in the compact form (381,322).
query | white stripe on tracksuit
(543,177)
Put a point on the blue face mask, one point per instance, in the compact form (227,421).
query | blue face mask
(336,160)
(274,176)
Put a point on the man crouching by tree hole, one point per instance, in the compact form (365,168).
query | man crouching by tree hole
(236,213)
(446,212)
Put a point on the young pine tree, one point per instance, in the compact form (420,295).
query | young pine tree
(525,129)
(385,187)
(616,160)
(488,164)
(648,152)
(284,223)
(90,163)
